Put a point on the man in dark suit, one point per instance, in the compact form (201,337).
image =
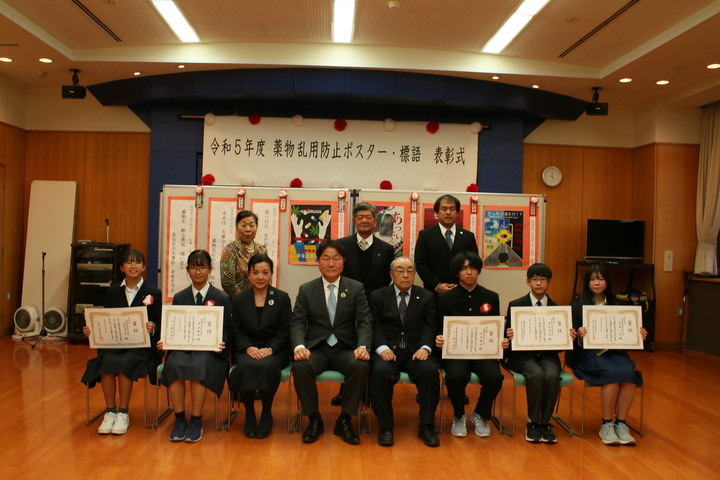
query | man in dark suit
(541,369)
(404,327)
(331,329)
(436,246)
(367,257)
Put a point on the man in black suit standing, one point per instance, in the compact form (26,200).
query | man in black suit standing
(331,329)
(436,246)
(367,258)
(404,327)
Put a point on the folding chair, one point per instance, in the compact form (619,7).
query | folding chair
(89,419)
(234,409)
(638,430)
(161,417)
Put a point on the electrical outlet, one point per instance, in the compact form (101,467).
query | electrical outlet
(668,260)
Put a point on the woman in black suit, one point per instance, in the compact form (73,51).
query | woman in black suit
(126,364)
(261,348)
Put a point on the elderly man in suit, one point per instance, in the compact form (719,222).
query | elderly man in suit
(436,246)
(368,258)
(404,326)
(331,329)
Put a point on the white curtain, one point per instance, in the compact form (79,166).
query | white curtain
(707,219)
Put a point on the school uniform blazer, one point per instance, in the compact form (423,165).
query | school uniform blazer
(514,360)
(221,299)
(272,330)
(115,298)
(432,255)
(378,275)
(311,323)
(419,326)
(458,302)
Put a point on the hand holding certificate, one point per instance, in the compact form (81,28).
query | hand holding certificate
(473,338)
(613,327)
(117,327)
(193,327)
(541,328)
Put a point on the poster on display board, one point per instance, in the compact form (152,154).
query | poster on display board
(509,237)
(181,229)
(311,222)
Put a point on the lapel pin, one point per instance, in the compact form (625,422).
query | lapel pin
(271,302)
(342,295)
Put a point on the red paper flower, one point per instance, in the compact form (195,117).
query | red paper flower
(485,308)
(432,127)
(385,185)
(340,124)
(210,303)
(254,118)
(148,300)
(296,183)
(472,188)
(208,179)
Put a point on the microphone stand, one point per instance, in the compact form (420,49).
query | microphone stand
(43,332)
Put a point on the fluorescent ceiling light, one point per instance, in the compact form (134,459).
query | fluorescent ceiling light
(175,19)
(514,25)
(343,20)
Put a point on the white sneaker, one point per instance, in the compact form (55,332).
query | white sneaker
(608,435)
(623,433)
(459,428)
(122,422)
(107,423)
(482,429)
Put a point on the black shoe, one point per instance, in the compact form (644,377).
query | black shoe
(336,400)
(249,427)
(467,400)
(546,434)
(263,430)
(385,438)
(313,431)
(344,430)
(429,435)
(532,432)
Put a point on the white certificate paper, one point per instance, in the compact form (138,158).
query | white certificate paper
(613,326)
(192,327)
(473,338)
(117,327)
(541,328)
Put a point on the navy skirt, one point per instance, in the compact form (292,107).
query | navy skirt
(133,363)
(613,366)
(207,367)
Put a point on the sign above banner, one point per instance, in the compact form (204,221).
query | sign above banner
(338,153)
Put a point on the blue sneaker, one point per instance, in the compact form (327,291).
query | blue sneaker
(178,431)
(194,431)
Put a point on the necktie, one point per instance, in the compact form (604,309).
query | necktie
(331,306)
(448,238)
(198,298)
(402,308)
(538,304)
(363,244)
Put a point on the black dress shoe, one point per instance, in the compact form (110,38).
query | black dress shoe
(313,431)
(336,400)
(344,430)
(249,427)
(429,435)
(385,438)
(263,429)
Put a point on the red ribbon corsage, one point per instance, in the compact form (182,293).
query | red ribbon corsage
(485,308)
(148,300)
(211,303)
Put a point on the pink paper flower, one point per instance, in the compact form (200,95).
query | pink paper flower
(148,300)
(485,308)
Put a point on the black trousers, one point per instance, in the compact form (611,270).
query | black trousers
(542,386)
(324,357)
(384,375)
(457,375)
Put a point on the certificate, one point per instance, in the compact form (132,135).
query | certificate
(473,338)
(613,326)
(541,328)
(192,327)
(117,327)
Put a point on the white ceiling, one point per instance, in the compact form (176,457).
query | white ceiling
(652,40)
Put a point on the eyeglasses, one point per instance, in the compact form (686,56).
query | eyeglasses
(197,269)
(539,279)
(402,271)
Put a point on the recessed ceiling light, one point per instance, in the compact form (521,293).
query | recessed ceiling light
(713,66)
(495,77)
(536,86)
(45,60)
(136,73)
(625,80)
(663,82)
(5,59)
(181,66)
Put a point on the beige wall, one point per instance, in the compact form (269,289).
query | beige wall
(13,100)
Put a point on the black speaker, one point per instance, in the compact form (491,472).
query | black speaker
(595,108)
(73,91)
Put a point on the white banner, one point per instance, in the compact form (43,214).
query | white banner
(274,151)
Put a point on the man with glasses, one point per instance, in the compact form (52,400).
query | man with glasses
(404,327)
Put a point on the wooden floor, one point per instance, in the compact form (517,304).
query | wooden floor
(44,433)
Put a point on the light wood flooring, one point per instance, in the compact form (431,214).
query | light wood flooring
(44,433)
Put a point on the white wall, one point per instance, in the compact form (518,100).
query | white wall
(47,110)
(12,101)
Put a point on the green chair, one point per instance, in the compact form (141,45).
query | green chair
(234,406)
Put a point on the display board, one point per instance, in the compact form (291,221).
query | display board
(510,229)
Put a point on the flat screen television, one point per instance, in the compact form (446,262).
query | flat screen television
(615,240)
